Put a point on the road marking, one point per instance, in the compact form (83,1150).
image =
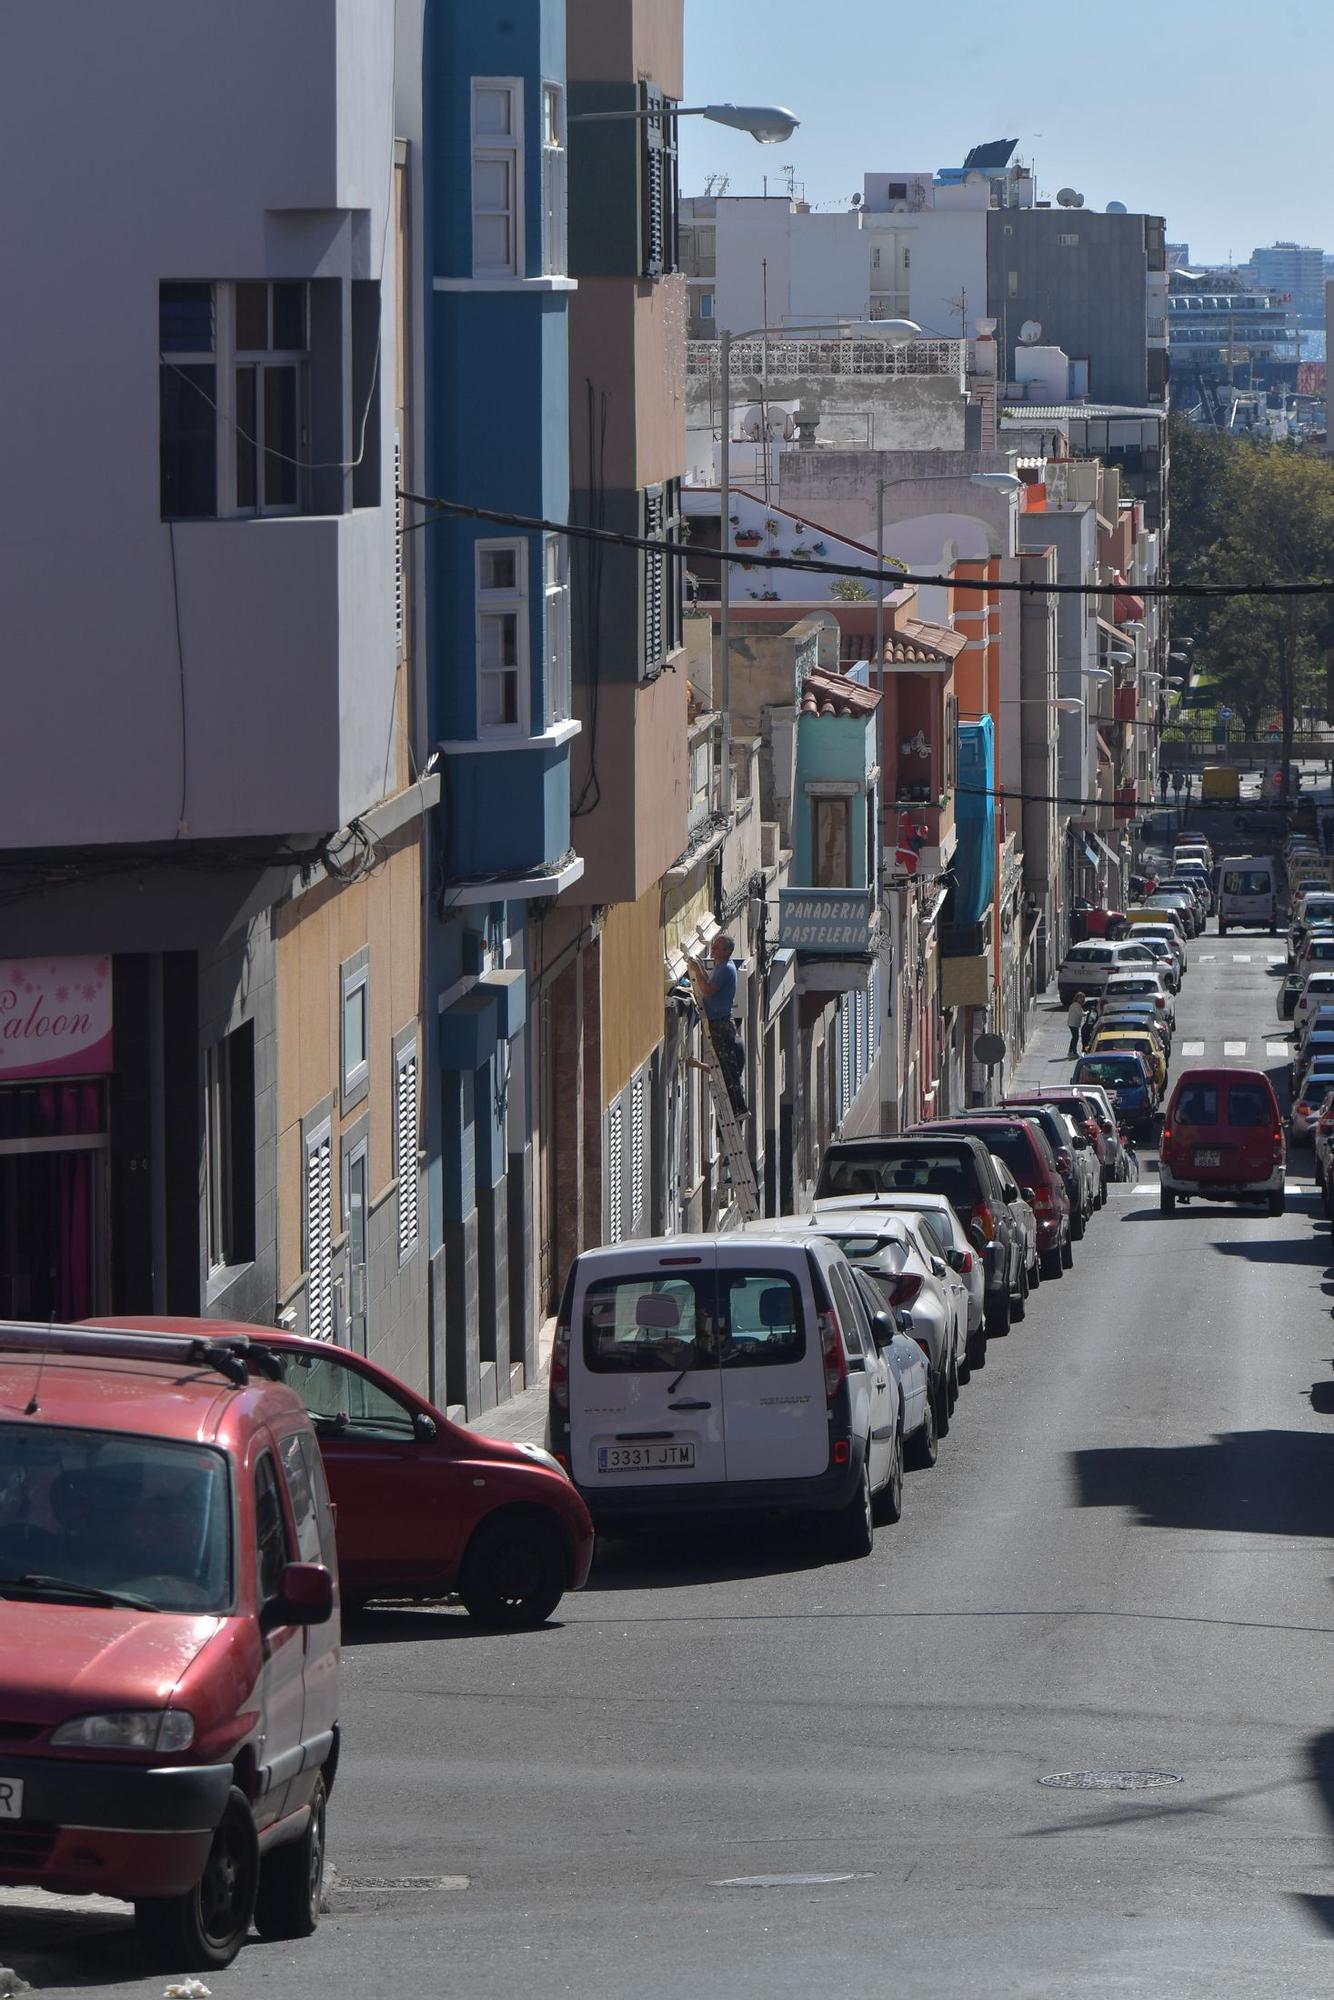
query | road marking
(1241,958)
(1205,957)
(1234,1048)
(1129,1187)
(1277,1049)
(1192,1048)
(1277,958)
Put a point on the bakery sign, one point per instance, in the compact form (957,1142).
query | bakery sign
(55,1017)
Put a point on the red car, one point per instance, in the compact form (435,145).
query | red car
(169,1645)
(424,1507)
(1222,1140)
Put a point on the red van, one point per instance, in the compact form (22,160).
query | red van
(1222,1140)
(169,1647)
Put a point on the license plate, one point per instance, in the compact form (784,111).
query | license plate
(1208,1156)
(645,1457)
(11,1798)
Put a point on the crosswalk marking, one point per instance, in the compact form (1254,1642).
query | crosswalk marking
(1277,958)
(1276,1049)
(1206,957)
(1234,1048)
(1241,958)
(1192,1048)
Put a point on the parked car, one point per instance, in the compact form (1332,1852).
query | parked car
(1314,1049)
(425,1507)
(1191,886)
(169,1654)
(1285,1000)
(1322,1137)
(1187,867)
(1139,1017)
(1071,1152)
(950,1164)
(1183,903)
(1021,1137)
(1164,954)
(1309,1100)
(942,1223)
(1125,1077)
(1145,982)
(694,1377)
(1139,1042)
(1091,1109)
(1316,949)
(910,1278)
(1308,914)
(1314,1017)
(908,1365)
(1247,894)
(1086,968)
(1222,1139)
(1026,1223)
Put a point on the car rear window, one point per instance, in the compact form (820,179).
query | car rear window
(1246,882)
(1010,1143)
(1197,1104)
(924,1170)
(146,1517)
(1111,1070)
(649,1324)
(1248,1104)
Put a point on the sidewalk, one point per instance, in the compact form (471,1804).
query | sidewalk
(1046,1058)
(522,1420)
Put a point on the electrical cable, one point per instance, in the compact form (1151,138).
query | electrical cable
(682,551)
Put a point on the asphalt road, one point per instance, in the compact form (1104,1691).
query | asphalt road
(1121,1563)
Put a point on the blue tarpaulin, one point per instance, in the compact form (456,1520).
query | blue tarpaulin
(975,817)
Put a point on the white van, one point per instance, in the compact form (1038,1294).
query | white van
(696,1376)
(1247,894)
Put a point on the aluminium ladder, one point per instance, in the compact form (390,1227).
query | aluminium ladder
(740,1172)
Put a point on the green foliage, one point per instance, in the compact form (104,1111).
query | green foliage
(849,590)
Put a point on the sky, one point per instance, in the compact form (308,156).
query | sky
(1218,114)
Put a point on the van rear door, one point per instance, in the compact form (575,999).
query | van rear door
(772,1370)
(646,1403)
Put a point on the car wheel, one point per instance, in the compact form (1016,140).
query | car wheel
(1167,1202)
(515,1572)
(888,1506)
(1052,1266)
(854,1525)
(977,1348)
(998,1316)
(924,1444)
(1277,1203)
(1019,1298)
(291,1879)
(1076,1224)
(1035,1273)
(1067,1253)
(941,1396)
(202,1930)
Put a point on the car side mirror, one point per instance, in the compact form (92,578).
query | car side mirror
(938,1267)
(306,1597)
(884,1329)
(1027,1193)
(976,1236)
(903,1321)
(955,1260)
(423,1427)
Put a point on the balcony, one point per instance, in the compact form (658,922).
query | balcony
(784,358)
(1127,701)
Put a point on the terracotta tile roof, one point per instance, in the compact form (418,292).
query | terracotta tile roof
(828,694)
(913,642)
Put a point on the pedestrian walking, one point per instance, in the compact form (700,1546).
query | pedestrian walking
(1074,1014)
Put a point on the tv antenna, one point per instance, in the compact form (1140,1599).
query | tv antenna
(717,184)
(789,174)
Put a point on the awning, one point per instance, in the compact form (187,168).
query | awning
(1090,851)
(1126,606)
(1112,856)
(1104,754)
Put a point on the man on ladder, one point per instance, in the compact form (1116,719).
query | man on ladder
(715,991)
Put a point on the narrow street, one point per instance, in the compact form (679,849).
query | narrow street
(1120,1563)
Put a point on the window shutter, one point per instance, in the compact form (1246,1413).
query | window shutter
(845,1031)
(654,566)
(319,1235)
(405,1152)
(615,1166)
(656,163)
(398,547)
(637,1155)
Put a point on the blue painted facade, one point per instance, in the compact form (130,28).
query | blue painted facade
(975,817)
(497,436)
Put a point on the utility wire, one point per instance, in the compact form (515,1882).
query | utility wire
(683,551)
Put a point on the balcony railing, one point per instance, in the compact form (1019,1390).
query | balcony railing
(829,357)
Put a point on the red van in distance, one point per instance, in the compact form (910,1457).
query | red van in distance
(1222,1140)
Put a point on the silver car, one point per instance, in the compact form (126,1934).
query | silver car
(940,1220)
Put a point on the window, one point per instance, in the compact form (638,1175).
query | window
(1068,240)
(229,1124)
(341,1401)
(497,177)
(831,843)
(556,611)
(648,1325)
(302,1494)
(317,1249)
(502,635)
(706,305)
(638,1092)
(356,1207)
(661,516)
(270,347)
(187,393)
(763,1324)
(355,982)
(553,181)
(272,1550)
(659,223)
(405,1151)
(1012,284)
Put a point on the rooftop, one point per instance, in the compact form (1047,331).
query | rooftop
(826,694)
(1015,416)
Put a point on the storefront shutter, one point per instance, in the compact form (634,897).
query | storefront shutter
(637,1095)
(615,1169)
(319,1235)
(405,1152)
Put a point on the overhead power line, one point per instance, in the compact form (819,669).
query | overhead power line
(682,551)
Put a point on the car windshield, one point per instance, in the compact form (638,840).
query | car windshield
(1246,882)
(144,1520)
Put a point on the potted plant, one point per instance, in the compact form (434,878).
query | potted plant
(799,552)
(748,538)
(818,549)
(772,529)
(848,590)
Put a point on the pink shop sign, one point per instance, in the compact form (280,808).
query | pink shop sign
(55,1017)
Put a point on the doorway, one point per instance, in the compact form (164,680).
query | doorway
(54,1207)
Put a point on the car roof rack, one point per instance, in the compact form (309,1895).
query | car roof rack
(234,1356)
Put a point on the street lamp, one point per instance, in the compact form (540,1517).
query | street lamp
(1066,704)
(1002,482)
(767,124)
(896,333)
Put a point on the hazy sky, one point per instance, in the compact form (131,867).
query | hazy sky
(1215,113)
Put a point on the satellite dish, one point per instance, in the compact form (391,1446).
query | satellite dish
(1030,332)
(1117,208)
(1068,198)
(856,201)
(752,424)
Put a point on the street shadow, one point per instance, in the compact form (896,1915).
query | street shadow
(71,1948)
(679,1559)
(1244,1482)
(1320,1756)
(1308,1250)
(1322,1398)
(413,1625)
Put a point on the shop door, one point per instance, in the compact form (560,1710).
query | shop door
(54,1233)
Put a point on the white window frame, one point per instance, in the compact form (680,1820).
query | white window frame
(555,244)
(355,977)
(489,148)
(556,616)
(503,603)
(225,359)
(706,305)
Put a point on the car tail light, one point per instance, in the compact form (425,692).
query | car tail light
(835,1360)
(1165,1142)
(967,1264)
(558,1381)
(904,1289)
(981,1215)
(922,1344)
(1043,1201)
(842,1451)
(1065,1160)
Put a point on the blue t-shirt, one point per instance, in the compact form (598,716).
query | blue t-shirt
(722,992)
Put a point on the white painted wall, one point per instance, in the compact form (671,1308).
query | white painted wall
(164,149)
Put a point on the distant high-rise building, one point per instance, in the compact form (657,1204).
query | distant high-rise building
(1292,270)
(1177,255)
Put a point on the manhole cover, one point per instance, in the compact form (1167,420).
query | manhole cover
(1111,1781)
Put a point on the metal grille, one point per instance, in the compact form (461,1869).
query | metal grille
(615,1167)
(659,166)
(654,576)
(399,540)
(637,1154)
(845,1034)
(319,1234)
(405,1151)
(28,1845)
(829,357)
